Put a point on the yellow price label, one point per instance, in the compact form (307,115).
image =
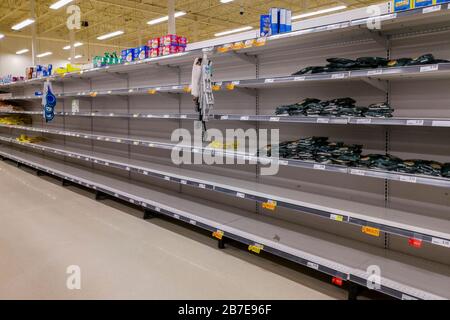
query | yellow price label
(269,205)
(218,234)
(231,86)
(371,231)
(187,89)
(223,49)
(261,42)
(151,91)
(249,43)
(238,45)
(215,87)
(93,94)
(256,248)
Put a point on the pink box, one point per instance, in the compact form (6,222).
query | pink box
(153,43)
(181,49)
(168,40)
(182,41)
(154,53)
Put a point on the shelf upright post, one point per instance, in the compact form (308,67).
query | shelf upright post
(258,126)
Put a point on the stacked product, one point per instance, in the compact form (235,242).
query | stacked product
(7,107)
(401,5)
(342,107)
(166,45)
(106,59)
(343,64)
(279,20)
(38,71)
(10,79)
(135,54)
(26,139)
(320,150)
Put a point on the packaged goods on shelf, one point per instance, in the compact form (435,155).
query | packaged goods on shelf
(165,45)
(141,53)
(279,20)
(10,79)
(7,107)
(107,59)
(26,139)
(401,5)
(423,3)
(442,1)
(344,64)
(15,120)
(38,71)
(342,107)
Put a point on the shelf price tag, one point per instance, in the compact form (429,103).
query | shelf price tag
(274,119)
(375,72)
(256,248)
(187,89)
(357,172)
(431,9)
(151,91)
(336,217)
(312,265)
(244,118)
(299,78)
(414,122)
(338,76)
(218,234)
(269,81)
(231,86)
(261,41)
(93,94)
(416,243)
(434,67)
(240,195)
(323,120)
(319,167)
(270,205)
(408,179)
(440,242)
(371,231)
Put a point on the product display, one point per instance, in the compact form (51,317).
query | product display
(343,64)
(48,102)
(279,20)
(165,45)
(15,120)
(342,107)
(107,59)
(320,150)
(26,139)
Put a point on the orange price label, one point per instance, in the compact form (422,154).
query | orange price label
(269,205)
(187,89)
(371,231)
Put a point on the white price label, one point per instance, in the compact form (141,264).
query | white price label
(193,222)
(408,179)
(240,195)
(357,172)
(236,83)
(167,178)
(135,143)
(127,168)
(374,72)
(441,124)
(244,118)
(319,167)
(299,78)
(363,121)
(284,162)
(135,115)
(434,67)
(183,116)
(269,80)
(431,9)
(323,120)
(145,173)
(166,116)
(313,265)
(202,186)
(440,242)
(183,182)
(338,76)
(274,119)
(176,216)
(175,87)
(157,209)
(224,117)
(414,122)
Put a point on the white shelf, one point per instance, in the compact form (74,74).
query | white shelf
(428,229)
(402,276)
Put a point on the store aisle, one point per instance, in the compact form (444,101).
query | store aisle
(45,228)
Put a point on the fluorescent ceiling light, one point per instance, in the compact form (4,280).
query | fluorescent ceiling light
(110,35)
(2,36)
(48,53)
(78,56)
(22,51)
(22,24)
(224,33)
(226,1)
(76,44)
(60,4)
(315,13)
(166,18)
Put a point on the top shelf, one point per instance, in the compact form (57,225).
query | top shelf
(392,24)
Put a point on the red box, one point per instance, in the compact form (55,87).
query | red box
(153,43)
(168,40)
(169,50)
(182,41)
(154,53)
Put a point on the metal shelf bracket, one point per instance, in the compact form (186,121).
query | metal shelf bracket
(381,85)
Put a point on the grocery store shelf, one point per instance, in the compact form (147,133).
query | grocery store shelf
(396,222)
(391,22)
(168,145)
(433,71)
(402,276)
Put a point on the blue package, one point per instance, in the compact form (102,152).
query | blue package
(141,53)
(400,5)
(274,22)
(124,55)
(423,3)
(289,20)
(442,1)
(264,25)
(282,20)
(129,56)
